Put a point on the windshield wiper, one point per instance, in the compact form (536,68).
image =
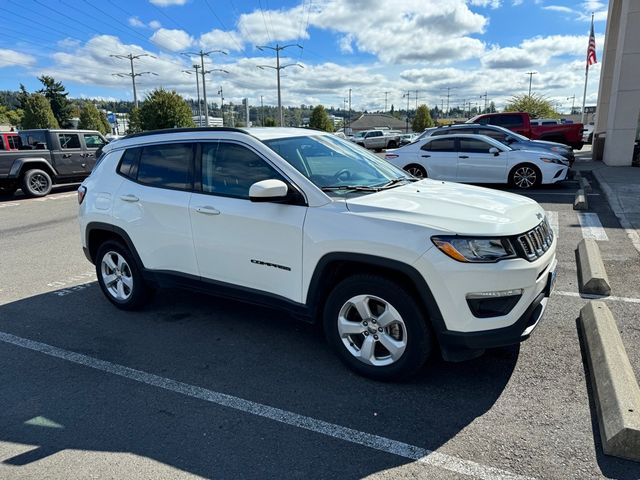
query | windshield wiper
(359,188)
(395,181)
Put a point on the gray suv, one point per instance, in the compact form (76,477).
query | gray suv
(505,136)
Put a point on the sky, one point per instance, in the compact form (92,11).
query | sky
(380,49)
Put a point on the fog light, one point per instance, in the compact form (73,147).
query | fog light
(493,304)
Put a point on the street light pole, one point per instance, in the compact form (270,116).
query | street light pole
(277,68)
(407,122)
(131,57)
(531,74)
(196,66)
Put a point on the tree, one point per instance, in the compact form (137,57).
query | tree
(38,113)
(422,119)
(535,105)
(320,119)
(135,123)
(165,109)
(93,119)
(57,96)
(492,107)
(10,117)
(269,122)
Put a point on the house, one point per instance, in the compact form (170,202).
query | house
(370,121)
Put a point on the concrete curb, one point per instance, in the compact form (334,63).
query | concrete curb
(615,389)
(585,185)
(593,276)
(614,203)
(580,202)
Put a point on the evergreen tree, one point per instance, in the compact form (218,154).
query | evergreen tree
(93,119)
(422,119)
(135,123)
(38,113)
(56,93)
(320,119)
(165,109)
(535,105)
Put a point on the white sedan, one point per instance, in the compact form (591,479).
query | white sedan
(472,158)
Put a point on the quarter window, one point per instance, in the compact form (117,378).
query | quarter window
(68,141)
(495,134)
(166,166)
(129,163)
(229,169)
(14,142)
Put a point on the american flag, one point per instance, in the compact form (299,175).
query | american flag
(591,51)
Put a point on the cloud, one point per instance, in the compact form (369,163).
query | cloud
(486,3)
(136,22)
(167,3)
(509,57)
(558,8)
(264,26)
(155,24)
(220,39)
(346,43)
(10,58)
(172,40)
(68,43)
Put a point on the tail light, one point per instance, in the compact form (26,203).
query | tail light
(82,191)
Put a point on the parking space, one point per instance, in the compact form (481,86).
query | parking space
(199,386)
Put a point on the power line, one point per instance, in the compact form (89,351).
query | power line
(133,75)
(225,27)
(264,20)
(204,72)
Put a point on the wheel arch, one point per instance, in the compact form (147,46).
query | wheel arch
(22,165)
(98,232)
(334,267)
(524,164)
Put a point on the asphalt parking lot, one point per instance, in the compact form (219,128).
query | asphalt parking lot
(198,386)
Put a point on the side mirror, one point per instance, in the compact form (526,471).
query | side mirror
(268,191)
(495,151)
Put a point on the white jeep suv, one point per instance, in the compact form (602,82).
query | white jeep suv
(393,267)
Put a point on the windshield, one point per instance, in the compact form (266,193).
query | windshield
(334,164)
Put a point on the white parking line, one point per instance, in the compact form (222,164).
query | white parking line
(588,296)
(591,226)
(553,221)
(386,445)
(55,197)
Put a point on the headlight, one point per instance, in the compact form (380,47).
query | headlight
(475,250)
(553,160)
(558,149)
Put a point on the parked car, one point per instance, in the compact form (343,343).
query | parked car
(358,137)
(406,138)
(309,222)
(47,157)
(478,159)
(380,139)
(587,132)
(9,141)
(503,135)
(519,122)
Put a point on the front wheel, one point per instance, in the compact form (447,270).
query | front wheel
(120,278)
(376,328)
(525,176)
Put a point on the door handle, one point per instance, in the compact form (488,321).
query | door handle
(129,198)
(463,156)
(425,156)
(66,155)
(207,210)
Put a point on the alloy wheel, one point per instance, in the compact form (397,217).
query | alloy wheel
(116,276)
(39,183)
(525,177)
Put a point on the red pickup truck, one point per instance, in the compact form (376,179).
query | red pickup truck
(567,133)
(9,141)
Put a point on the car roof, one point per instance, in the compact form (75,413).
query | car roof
(271,133)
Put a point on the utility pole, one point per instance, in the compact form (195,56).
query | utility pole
(385,101)
(203,54)
(531,74)
(246,104)
(131,57)
(261,112)
(573,102)
(416,100)
(408,94)
(485,102)
(196,66)
(350,111)
(277,68)
(448,92)
(222,103)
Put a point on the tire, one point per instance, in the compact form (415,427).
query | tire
(417,171)
(36,183)
(525,176)
(360,343)
(392,144)
(119,277)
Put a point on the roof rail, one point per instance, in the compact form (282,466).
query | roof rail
(186,130)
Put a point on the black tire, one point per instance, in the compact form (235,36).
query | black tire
(392,144)
(417,171)
(412,328)
(36,183)
(139,293)
(525,176)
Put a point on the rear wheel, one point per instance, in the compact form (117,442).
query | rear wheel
(119,277)
(417,171)
(376,327)
(525,176)
(392,144)
(36,183)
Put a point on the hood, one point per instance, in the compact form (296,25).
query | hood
(451,207)
(547,144)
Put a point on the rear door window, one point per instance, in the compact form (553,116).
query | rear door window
(166,166)
(69,141)
(93,140)
(441,145)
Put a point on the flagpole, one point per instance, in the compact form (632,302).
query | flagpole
(586,79)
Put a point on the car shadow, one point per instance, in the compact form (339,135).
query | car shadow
(18,195)
(249,352)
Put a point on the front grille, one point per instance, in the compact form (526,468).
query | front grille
(536,241)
